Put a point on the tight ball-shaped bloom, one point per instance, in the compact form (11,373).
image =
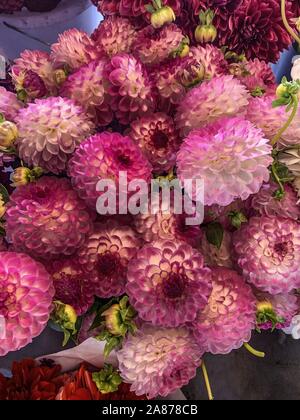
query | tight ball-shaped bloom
(47,219)
(86,88)
(72,285)
(114,35)
(212,58)
(73,49)
(264,203)
(26,293)
(230,155)
(220,97)
(167,283)
(130,88)
(268,253)
(157,137)
(158,361)
(261,113)
(37,62)
(49,131)
(104,156)
(229,317)
(105,257)
(9,104)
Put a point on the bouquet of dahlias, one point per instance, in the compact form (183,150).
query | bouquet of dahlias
(153,201)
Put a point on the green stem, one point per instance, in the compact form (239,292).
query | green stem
(286,24)
(289,121)
(278,180)
(207,382)
(253,351)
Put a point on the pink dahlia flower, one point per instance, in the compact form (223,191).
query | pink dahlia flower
(49,131)
(47,219)
(86,88)
(154,46)
(230,155)
(266,204)
(212,58)
(158,139)
(260,78)
(261,113)
(284,308)
(26,293)
(158,361)
(130,88)
(105,257)
(72,285)
(218,257)
(267,250)
(220,97)
(9,104)
(229,317)
(37,62)
(104,156)
(167,283)
(73,49)
(114,35)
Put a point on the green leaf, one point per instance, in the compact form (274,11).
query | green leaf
(67,336)
(215,234)
(2,118)
(111,345)
(150,8)
(237,218)
(4,193)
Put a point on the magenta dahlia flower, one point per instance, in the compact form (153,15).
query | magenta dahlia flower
(229,317)
(26,293)
(230,155)
(220,97)
(256,29)
(267,250)
(257,76)
(212,58)
(104,156)
(72,285)
(86,88)
(49,131)
(265,203)
(167,283)
(114,35)
(158,139)
(130,88)
(47,219)
(9,104)
(73,49)
(275,311)
(154,46)
(37,62)
(105,257)
(158,361)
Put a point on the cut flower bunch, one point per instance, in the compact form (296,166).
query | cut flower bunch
(162,90)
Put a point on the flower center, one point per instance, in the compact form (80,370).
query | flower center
(108,264)
(68,287)
(160,140)
(174,285)
(281,248)
(7,299)
(41,195)
(124,160)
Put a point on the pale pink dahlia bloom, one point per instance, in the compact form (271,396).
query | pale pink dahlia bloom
(261,113)
(264,203)
(104,156)
(218,257)
(230,155)
(268,253)
(73,49)
(158,361)
(72,285)
(220,97)
(86,88)
(114,35)
(9,104)
(158,138)
(26,293)
(105,257)
(285,307)
(154,46)
(47,219)
(229,317)
(49,131)
(167,283)
(130,88)
(37,62)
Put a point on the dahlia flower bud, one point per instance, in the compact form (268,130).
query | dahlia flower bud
(107,380)
(65,317)
(22,175)
(206,32)
(2,207)
(119,318)
(191,74)
(34,85)
(60,76)
(8,134)
(161,14)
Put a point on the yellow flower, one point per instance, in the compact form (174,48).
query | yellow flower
(70,314)
(8,134)
(22,175)
(205,33)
